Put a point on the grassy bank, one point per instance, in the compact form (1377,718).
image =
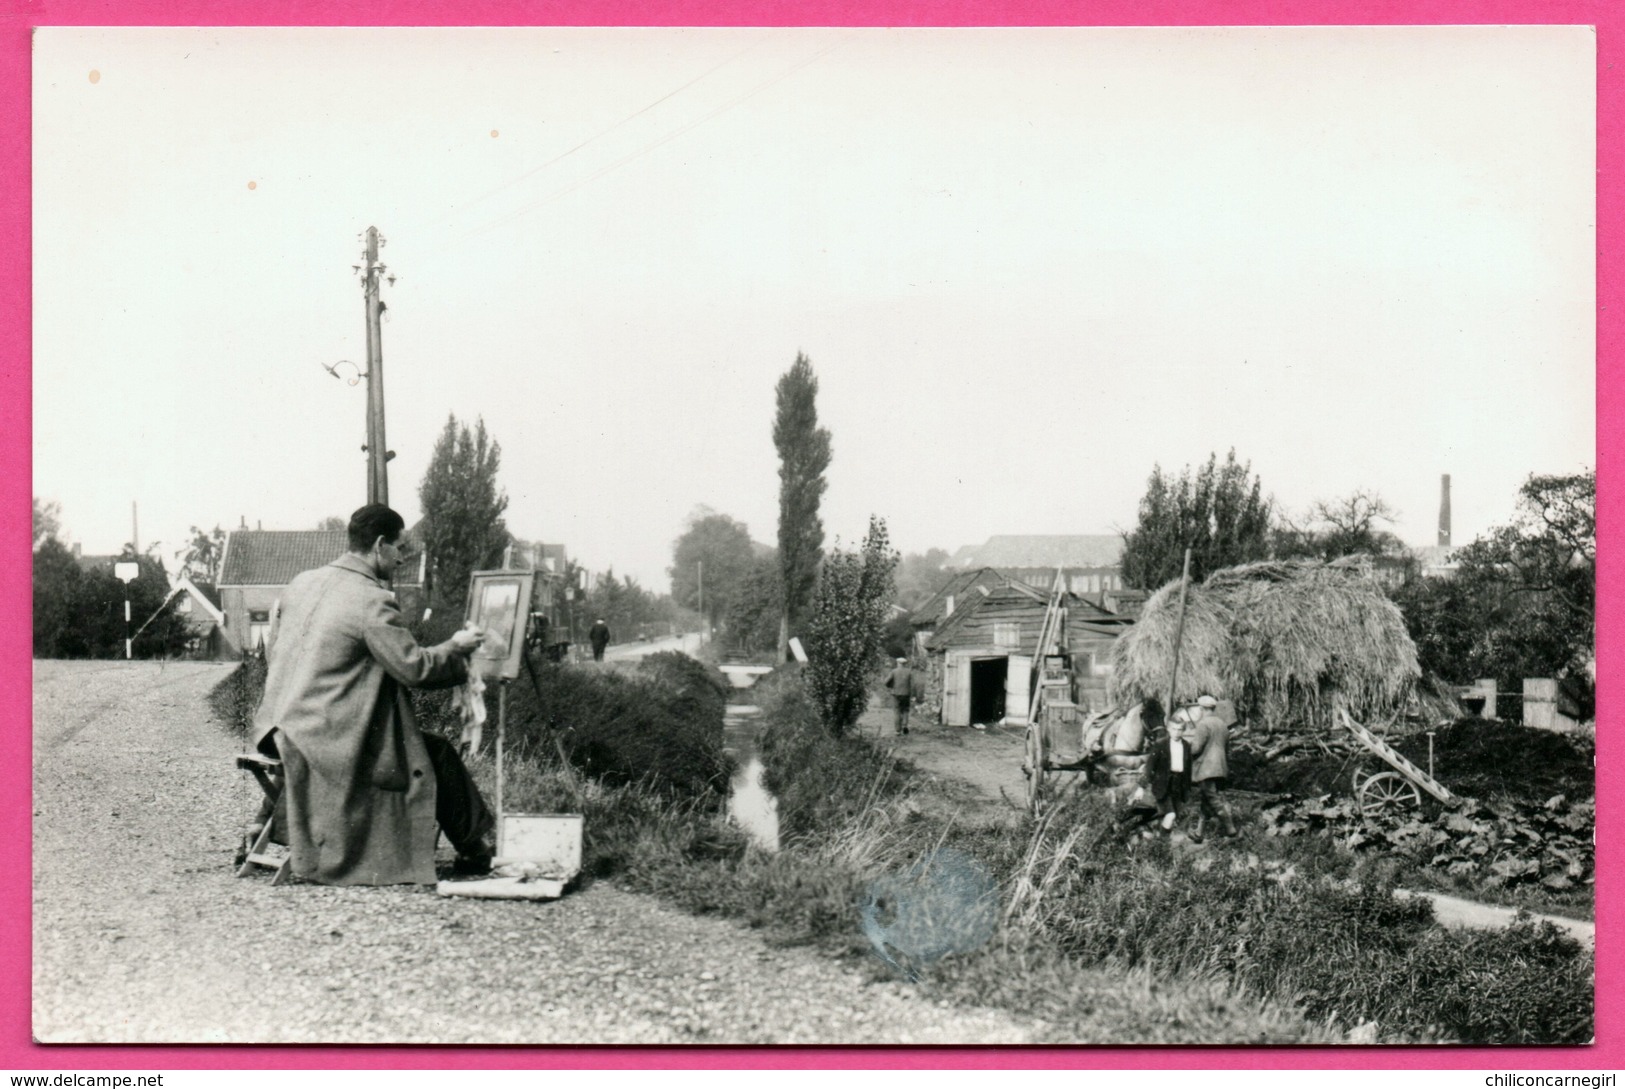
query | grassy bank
(1100,939)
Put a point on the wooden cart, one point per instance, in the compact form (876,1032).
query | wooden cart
(1040,757)
(1394,790)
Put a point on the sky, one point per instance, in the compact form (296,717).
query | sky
(1027,265)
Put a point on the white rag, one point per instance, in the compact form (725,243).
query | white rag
(469,699)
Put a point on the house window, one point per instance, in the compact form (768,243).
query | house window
(184,605)
(259,628)
(1007,634)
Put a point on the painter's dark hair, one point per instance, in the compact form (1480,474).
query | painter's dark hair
(371,522)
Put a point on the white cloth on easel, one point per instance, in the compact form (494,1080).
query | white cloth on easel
(469,699)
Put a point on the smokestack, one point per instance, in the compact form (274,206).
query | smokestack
(1444,511)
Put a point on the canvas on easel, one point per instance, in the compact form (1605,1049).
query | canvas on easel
(499,603)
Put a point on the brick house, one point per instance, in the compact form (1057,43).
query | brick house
(257,564)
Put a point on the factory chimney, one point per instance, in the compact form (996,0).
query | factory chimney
(1444,511)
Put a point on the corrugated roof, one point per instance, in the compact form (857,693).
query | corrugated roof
(1055,550)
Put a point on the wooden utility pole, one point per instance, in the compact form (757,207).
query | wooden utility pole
(1179,635)
(377,450)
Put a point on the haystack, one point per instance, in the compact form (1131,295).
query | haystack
(1287,640)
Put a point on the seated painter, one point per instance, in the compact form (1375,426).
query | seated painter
(365,789)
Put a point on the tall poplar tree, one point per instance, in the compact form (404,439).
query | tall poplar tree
(804,451)
(463,528)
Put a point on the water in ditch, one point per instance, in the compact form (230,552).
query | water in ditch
(751,805)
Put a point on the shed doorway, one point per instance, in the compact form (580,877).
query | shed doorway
(987,678)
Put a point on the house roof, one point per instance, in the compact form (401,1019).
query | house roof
(184,585)
(202,590)
(931,610)
(1014,591)
(272,557)
(94,563)
(1055,550)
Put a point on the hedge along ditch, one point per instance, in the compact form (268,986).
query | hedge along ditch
(660,725)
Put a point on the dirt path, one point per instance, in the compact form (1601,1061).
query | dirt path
(1453,911)
(980,769)
(143,934)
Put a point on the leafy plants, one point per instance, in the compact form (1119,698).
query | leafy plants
(846,628)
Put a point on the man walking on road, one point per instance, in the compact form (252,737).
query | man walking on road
(902,684)
(364,788)
(598,636)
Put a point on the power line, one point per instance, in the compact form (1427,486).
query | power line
(640,152)
(533,171)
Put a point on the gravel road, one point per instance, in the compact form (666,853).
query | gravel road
(143,934)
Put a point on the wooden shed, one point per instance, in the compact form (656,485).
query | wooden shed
(980,657)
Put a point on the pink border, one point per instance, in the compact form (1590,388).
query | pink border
(17,1052)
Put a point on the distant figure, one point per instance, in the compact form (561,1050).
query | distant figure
(902,684)
(1210,751)
(598,636)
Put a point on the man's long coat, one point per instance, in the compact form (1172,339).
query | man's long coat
(360,792)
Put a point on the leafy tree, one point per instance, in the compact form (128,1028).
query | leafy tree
(921,574)
(804,453)
(753,617)
(47,521)
(1522,602)
(463,528)
(624,605)
(1217,511)
(845,629)
(200,559)
(723,546)
(333,523)
(56,591)
(1340,527)
(80,613)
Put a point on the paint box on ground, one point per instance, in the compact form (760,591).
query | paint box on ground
(537,856)
(550,843)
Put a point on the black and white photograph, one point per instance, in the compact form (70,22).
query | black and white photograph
(979,536)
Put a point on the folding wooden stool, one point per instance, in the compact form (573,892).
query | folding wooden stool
(267,771)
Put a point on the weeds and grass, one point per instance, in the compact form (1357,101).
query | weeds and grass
(1100,939)
(1338,946)
(824,784)
(234,699)
(660,725)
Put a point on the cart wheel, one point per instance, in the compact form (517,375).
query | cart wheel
(1387,792)
(1032,765)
